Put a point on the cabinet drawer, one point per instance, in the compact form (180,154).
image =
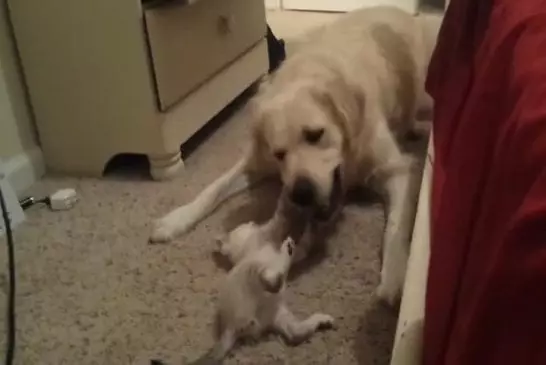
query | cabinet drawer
(190,43)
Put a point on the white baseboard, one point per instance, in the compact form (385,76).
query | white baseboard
(16,215)
(24,169)
(346,5)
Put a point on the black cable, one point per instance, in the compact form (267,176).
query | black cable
(10,343)
(30,201)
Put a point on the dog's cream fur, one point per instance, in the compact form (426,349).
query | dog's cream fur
(342,101)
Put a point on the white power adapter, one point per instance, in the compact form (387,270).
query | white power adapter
(63,199)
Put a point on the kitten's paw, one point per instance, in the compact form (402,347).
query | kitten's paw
(289,241)
(288,246)
(220,242)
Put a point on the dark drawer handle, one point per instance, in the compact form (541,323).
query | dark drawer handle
(225,24)
(159,3)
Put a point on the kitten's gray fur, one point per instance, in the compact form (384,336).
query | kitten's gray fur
(251,302)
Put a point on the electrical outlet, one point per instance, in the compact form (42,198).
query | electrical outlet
(15,212)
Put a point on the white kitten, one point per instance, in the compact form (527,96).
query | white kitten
(251,301)
(249,237)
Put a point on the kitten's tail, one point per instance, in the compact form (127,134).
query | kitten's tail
(218,352)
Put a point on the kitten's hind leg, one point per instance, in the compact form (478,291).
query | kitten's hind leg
(296,331)
(225,344)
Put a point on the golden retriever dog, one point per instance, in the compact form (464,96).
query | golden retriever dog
(330,119)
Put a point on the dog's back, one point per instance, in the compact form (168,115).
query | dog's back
(374,56)
(430,26)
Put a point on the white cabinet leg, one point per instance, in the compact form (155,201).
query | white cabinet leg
(165,166)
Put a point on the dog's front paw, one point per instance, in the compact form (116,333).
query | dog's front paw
(162,231)
(323,321)
(393,276)
(390,292)
(175,223)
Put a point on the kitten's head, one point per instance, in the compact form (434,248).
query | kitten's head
(277,265)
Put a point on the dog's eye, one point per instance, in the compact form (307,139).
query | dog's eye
(312,136)
(280,154)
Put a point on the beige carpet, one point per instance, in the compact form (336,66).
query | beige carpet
(91,290)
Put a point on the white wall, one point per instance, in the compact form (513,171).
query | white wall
(18,140)
(272,4)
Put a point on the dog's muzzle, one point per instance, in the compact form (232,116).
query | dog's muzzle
(324,213)
(304,195)
(303,192)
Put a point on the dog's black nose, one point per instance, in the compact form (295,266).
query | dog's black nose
(303,192)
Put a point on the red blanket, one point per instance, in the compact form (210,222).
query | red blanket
(486,296)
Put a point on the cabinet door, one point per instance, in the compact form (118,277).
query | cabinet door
(346,5)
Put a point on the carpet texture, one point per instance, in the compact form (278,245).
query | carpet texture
(91,290)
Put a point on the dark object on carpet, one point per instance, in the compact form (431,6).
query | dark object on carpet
(276,50)
(10,312)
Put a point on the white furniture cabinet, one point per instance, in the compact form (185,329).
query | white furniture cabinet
(109,77)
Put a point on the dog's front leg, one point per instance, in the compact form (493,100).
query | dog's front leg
(395,174)
(277,228)
(397,238)
(243,175)
(289,221)
(304,244)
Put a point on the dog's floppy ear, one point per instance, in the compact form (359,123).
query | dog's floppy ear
(261,157)
(345,103)
(272,282)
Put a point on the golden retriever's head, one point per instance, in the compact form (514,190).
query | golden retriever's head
(297,131)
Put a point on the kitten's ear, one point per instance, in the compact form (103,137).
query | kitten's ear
(272,283)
